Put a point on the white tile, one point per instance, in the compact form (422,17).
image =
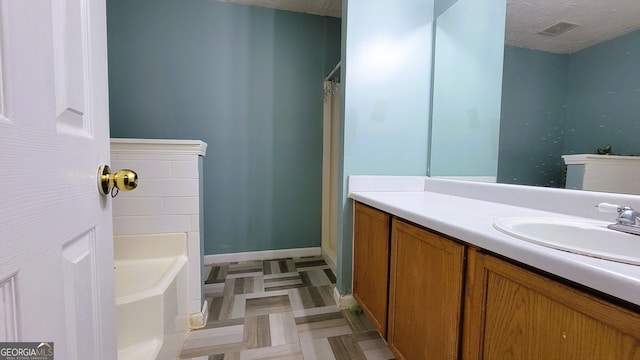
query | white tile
(164,188)
(184,169)
(133,225)
(195,222)
(194,267)
(180,205)
(146,169)
(165,146)
(137,206)
(193,248)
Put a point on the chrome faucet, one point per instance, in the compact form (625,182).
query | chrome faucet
(628,219)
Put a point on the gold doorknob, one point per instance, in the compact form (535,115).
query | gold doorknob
(122,180)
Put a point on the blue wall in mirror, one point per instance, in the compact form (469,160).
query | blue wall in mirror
(534,98)
(604,97)
(555,104)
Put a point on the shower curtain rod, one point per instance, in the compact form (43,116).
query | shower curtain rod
(333,71)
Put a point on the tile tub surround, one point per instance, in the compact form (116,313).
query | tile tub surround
(167,197)
(467,210)
(279,309)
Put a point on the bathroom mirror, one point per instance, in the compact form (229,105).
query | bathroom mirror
(572,90)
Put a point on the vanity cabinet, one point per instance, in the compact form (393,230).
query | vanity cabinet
(371,263)
(425,293)
(514,313)
(424,282)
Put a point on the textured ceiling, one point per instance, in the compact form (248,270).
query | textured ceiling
(597,20)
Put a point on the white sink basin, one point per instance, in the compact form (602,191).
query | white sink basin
(585,237)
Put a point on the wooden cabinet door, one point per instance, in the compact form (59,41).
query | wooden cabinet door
(427,272)
(371,264)
(513,313)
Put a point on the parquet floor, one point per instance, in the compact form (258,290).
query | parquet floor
(279,309)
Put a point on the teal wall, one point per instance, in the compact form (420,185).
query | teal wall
(604,97)
(386,80)
(534,111)
(469,43)
(556,104)
(246,80)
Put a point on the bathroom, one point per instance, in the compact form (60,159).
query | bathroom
(265,196)
(247,195)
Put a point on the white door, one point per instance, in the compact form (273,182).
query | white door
(56,250)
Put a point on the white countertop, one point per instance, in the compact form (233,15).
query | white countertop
(471,220)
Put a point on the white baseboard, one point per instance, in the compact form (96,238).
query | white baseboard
(343,301)
(261,255)
(330,258)
(199,320)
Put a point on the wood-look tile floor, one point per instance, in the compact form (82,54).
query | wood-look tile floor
(279,309)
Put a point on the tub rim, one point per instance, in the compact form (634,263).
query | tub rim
(159,287)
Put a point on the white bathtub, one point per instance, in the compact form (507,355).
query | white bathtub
(151,295)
